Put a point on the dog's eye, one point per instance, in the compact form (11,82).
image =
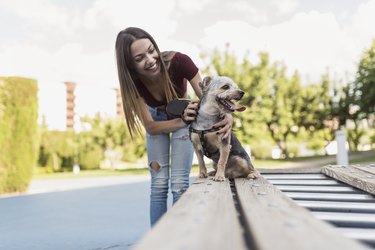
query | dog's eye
(225,87)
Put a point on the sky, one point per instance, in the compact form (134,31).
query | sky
(73,40)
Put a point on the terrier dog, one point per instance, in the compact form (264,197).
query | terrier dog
(228,156)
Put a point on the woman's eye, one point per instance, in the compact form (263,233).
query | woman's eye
(225,87)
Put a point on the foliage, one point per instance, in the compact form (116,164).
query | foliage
(18,132)
(282,106)
(58,149)
(112,134)
(273,97)
(365,82)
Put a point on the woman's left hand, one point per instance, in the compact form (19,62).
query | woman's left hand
(225,125)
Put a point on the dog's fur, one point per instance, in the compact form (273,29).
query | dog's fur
(229,157)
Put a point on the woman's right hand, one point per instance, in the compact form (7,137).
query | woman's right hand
(190,112)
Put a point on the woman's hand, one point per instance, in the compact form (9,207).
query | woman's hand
(190,112)
(225,125)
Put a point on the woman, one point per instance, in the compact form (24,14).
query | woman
(149,80)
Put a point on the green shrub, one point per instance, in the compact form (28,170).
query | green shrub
(90,157)
(18,132)
(58,149)
(261,150)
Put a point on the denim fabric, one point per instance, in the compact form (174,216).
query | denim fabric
(174,154)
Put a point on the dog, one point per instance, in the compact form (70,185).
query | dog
(229,157)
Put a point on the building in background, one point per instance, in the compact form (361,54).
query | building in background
(62,104)
(70,104)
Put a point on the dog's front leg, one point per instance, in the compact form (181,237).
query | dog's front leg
(202,165)
(224,155)
(199,153)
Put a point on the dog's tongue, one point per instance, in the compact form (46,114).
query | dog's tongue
(240,109)
(235,108)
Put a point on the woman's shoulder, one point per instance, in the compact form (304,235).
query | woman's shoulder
(181,64)
(169,56)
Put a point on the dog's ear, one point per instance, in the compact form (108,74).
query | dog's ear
(206,81)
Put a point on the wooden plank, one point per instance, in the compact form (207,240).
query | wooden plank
(318,189)
(330,197)
(204,218)
(326,182)
(367,168)
(364,234)
(290,176)
(338,206)
(364,220)
(353,176)
(289,170)
(276,222)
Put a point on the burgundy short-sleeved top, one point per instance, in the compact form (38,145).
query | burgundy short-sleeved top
(181,69)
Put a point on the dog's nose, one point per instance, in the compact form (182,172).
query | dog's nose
(241,93)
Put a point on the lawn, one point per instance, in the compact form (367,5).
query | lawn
(270,163)
(142,171)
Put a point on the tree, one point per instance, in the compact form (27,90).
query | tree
(273,98)
(346,107)
(19,136)
(112,134)
(365,82)
(316,114)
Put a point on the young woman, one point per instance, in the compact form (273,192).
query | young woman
(149,79)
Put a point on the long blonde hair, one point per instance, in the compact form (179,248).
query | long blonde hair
(127,76)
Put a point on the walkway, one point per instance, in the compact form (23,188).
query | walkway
(88,218)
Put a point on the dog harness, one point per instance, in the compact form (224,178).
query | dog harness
(201,134)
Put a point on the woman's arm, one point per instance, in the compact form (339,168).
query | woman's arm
(195,84)
(190,111)
(158,127)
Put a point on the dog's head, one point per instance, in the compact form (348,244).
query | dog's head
(223,91)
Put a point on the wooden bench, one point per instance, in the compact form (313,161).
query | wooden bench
(250,214)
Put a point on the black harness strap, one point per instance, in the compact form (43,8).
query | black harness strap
(201,134)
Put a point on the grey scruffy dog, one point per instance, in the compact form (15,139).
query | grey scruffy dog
(228,156)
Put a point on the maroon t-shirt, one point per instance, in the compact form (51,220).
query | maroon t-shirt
(181,69)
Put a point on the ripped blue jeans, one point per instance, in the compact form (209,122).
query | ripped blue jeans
(173,153)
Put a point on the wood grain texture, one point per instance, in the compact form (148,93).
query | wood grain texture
(354,176)
(367,168)
(276,222)
(204,218)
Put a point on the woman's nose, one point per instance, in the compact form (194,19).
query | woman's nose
(149,58)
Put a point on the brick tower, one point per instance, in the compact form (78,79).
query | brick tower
(70,104)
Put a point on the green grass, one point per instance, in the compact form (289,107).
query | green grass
(366,159)
(269,163)
(91,173)
(130,171)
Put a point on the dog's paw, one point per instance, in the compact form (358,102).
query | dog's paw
(219,177)
(203,175)
(253,175)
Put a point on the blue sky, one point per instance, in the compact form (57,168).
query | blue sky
(73,40)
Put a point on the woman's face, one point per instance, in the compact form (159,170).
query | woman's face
(145,57)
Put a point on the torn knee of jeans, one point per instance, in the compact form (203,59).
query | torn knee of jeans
(181,191)
(155,165)
(184,137)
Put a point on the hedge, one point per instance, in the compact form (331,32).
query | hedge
(18,132)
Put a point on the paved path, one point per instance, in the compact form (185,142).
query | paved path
(102,217)
(77,214)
